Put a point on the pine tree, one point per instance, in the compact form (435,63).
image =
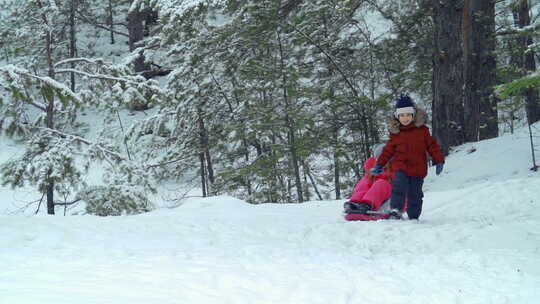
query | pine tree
(524,59)
(39,106)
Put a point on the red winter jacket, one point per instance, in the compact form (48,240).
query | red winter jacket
(408,146)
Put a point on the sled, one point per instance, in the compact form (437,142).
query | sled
(366,216)
(360,213)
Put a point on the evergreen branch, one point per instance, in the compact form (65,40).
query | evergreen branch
(101,76)
(76,60)
(82,140)
(105,151)
(165,163)
(531,29)
(386,65)
(288,7)
(100,26)
(42,107)
(362,110)
(48,80)
(403,30)
(318,46)
(222,93)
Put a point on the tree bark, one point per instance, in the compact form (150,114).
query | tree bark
(136,33)
(525,59)
(480,75)
(447,84)
(49,112)
(246,156)
(50,198)
(203,175)
(337,173)
(72,39)
(205,153)
(313,182)
(110,20)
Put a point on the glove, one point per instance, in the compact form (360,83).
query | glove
(439,168)
(377,170)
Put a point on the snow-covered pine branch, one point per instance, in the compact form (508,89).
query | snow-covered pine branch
(98,146)
(78,60)
(60,87)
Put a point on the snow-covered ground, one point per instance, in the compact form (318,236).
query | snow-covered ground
(478,241)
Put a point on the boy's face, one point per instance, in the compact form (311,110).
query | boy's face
(405,118)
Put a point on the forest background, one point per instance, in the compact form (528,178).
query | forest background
(268,101)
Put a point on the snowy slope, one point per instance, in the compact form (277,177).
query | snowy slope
(478,241)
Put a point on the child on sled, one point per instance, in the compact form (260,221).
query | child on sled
(371,192)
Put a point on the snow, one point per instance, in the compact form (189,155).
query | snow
(372,23)
(478,241)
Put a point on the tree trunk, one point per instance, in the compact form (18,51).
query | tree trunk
(136,33)
(205,151)
(110,20)
(291,130)
(72,39)
(525,59)
(337,184)
(447,84)
(50,198)
(246,155)
(203,175)
(305,186)
(49,111)
(480,64)
(313,182)
(150,18)
(295,162)
(208,157)
(49,119)
(471,105)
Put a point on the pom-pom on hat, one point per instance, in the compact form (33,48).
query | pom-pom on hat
(404,104)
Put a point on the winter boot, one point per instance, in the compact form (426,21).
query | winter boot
(395,214)
(351,207)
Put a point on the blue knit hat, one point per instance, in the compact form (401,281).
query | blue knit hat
(404,104)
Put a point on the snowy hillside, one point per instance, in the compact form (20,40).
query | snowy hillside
(478,241)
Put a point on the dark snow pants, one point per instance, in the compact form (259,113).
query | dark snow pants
(405,186)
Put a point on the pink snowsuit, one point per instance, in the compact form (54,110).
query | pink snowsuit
(373,191)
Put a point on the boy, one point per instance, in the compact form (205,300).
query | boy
(409,141)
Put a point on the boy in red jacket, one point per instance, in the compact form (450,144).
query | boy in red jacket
(409,141)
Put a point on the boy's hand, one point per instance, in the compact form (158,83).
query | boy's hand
(377,170)
(439,168)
